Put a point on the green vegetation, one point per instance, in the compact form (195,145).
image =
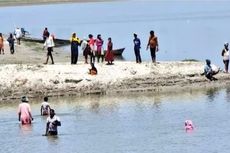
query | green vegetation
(190,60)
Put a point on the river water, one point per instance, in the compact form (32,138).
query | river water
(134,123)
(185,29)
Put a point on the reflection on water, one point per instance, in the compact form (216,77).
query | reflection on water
(228,95)
(212,93)
(26,129)
(135,122)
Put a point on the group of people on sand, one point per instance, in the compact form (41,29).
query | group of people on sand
(92,48)
(25,115)
(152,44)
(17,35)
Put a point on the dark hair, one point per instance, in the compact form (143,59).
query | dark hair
(90,36)
(52,111)
(45,98)
(208,62)
(98,36)
(151,32)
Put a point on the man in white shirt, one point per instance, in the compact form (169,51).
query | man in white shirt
(52,123)
(49,44)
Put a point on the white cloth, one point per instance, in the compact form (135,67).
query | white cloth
(45,106)
(49,42)
(50,121)
(226,55)
(18,33)
(84,45)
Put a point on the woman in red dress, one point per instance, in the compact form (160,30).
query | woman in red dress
(109,57)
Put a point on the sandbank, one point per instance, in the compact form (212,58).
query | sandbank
(24,73)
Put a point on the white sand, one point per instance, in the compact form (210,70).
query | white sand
(63,79)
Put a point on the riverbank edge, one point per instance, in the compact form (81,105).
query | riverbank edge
(140,83)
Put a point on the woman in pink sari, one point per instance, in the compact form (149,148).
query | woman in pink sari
(24,111)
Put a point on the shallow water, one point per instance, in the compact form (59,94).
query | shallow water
(139,122)
(186,29)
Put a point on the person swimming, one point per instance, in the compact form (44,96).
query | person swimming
(188,125)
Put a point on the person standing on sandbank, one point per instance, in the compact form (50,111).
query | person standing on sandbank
(92,48)
(11,43)
(49,43)
(85,49)
(18,35)
(99,51)
(153,44)
(109,57)
(45,34)
(225,55)
(137,47)
(75,42)
(24,111)
(1,44)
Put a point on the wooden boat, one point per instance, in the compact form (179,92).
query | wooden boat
(118,52)
(58,42)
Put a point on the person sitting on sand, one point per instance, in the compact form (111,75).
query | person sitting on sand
(45,107)
(24,111)
(93,70)
(52,123)
(209,71)
(225,54)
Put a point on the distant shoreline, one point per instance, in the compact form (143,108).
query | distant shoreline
(42,2)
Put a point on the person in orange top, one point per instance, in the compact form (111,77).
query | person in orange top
(153,44)
(1,44)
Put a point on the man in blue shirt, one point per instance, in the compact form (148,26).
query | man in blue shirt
(137,46)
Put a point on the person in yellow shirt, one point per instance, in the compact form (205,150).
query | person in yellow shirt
(75,42)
